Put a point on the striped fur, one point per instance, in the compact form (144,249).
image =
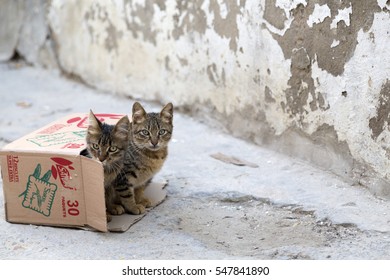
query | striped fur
(131,153)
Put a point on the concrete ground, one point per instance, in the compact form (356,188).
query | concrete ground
(282,209)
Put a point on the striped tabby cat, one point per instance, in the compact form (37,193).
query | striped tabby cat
(131,154)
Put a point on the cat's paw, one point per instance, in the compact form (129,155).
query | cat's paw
(109,217)
(137,209)
(116,209)
(146,202)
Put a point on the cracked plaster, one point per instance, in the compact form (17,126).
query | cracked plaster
(281,73)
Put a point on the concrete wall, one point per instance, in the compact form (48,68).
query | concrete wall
(24,30)
(308,78)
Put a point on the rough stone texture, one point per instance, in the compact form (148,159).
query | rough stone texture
(34,36)
(381,121)
(309,78)
(24,31)
(11,18)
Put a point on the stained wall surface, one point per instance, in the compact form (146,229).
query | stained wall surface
(308,78)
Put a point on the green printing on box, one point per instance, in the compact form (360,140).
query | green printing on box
(39,194)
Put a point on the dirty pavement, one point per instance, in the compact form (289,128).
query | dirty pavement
(227,198)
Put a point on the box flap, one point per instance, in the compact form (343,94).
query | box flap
(95,207)
(155,192)
(64,136)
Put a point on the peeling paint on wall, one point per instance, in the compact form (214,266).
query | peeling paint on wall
(382,119)
(190,18)
(139,19)
(320,13)
(318,38)
(343,15)
(301,92)
(309,78)
(225,24)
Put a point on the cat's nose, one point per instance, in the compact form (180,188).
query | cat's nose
(154,143)
(102,158)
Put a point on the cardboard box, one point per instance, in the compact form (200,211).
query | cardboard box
(47,182)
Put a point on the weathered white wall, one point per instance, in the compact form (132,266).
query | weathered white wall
(309,78)
(131,43)
(24,28)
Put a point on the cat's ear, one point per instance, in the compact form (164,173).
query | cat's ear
(167,113)
(95,126)
(139,114)
(122,127)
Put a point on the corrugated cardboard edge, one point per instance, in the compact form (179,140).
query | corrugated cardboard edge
(155,191)
(95,206)
(2,183)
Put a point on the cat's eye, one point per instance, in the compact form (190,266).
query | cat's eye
(162,132)
(145,132)
(95,146)
(112,149)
